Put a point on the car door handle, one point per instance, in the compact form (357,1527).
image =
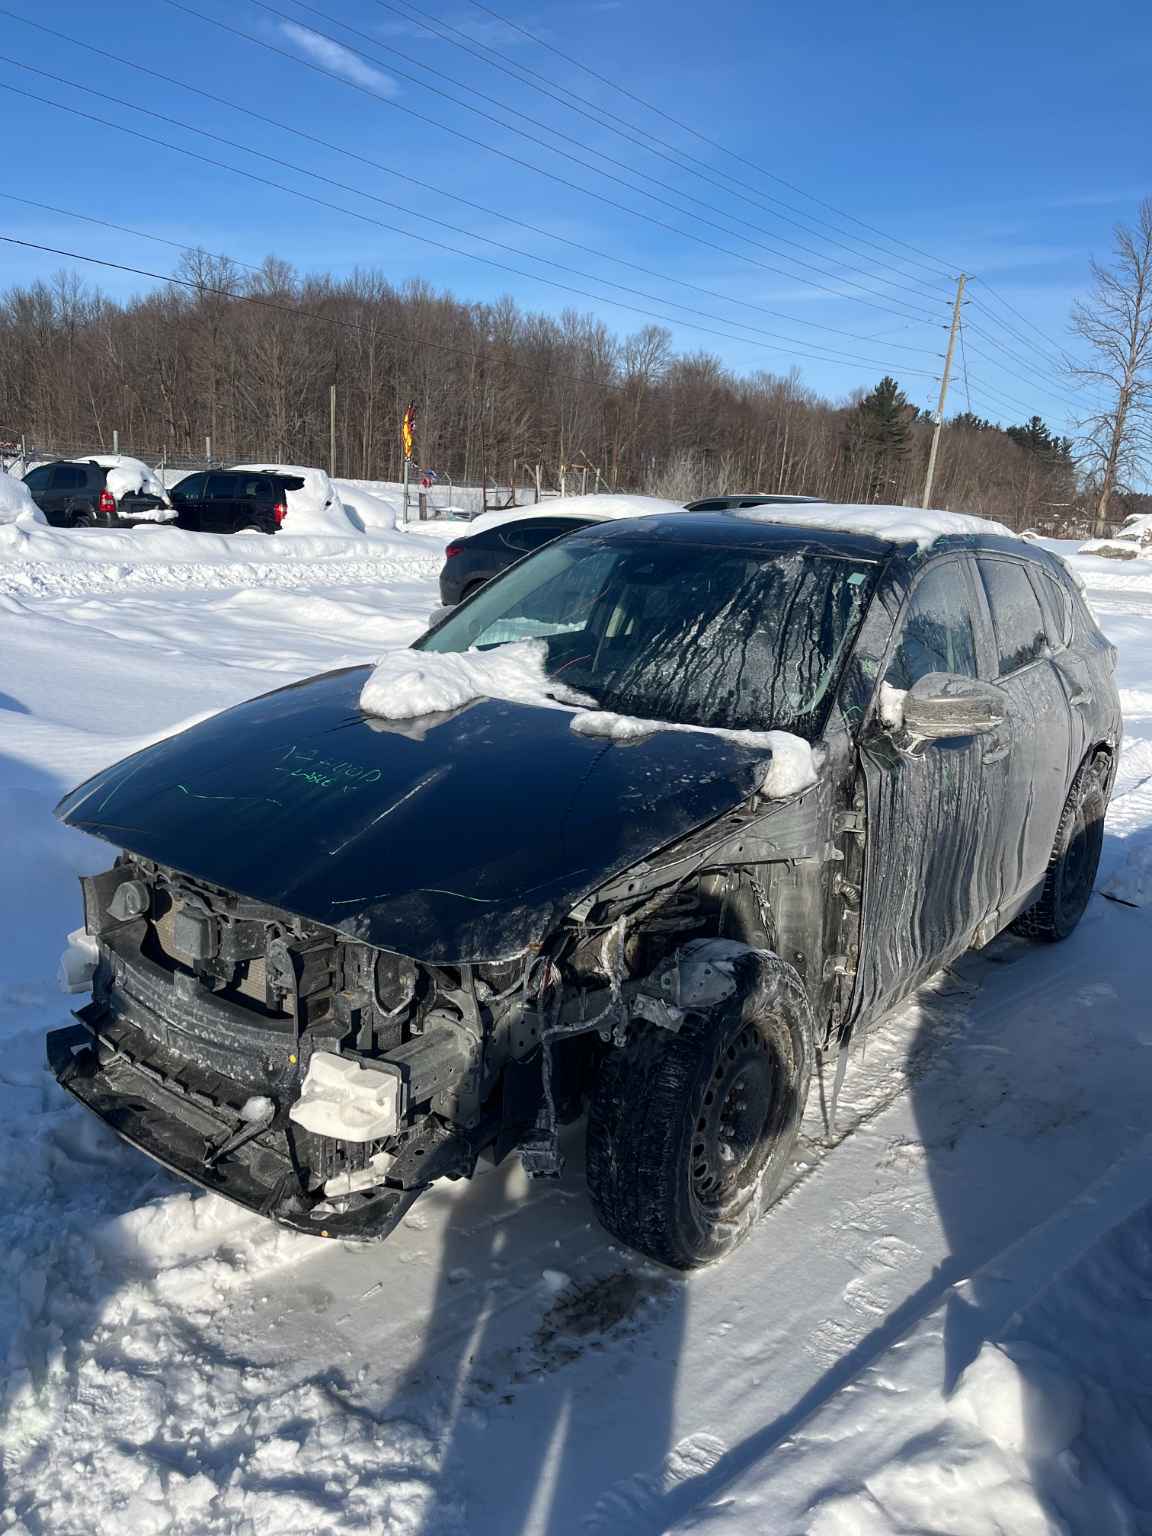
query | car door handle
(996,751)
(1079,700)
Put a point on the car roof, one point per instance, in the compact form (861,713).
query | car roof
(723,529)
(733,530)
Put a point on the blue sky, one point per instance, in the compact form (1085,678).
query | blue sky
(1002,139)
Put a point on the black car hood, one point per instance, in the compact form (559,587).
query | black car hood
(453,838)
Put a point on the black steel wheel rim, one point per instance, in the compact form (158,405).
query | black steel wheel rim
(732,1137)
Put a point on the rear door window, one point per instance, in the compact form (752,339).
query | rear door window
(255,488)
(529,536)
(937,633)
(69,477)
(1057,606)
(221,488)
(1017,618)
(37,479)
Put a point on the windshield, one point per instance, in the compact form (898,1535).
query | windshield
(739,639)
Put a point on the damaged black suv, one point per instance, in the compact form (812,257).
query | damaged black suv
(342,955)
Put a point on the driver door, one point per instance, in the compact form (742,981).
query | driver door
(929,874)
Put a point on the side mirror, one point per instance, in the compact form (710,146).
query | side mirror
(943,706)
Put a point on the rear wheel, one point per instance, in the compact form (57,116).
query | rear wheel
(1075,859)
(689,1132)
(81,517)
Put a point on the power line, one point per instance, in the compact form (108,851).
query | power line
(1012,403)
(1011,308)
(964,367)
(1033,383)
(154,75)
(868,363)
(631,133)
(711,208)
(124,229)
(632,212)
(703,138)
(295,311)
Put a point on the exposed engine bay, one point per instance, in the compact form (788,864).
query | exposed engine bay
(325,1082)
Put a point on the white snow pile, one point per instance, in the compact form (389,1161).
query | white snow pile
(891,708)
(1131,882)
(605,505)
(899,525)
(131,477)
(16,504)
(366,510)
(793,765)
(1134,541)
(406,684)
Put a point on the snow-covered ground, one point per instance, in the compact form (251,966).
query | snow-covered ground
(977,1216)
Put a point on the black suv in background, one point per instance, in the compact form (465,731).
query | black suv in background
(233,500)
(470,562)
(75,494)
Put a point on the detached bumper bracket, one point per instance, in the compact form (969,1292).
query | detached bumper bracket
(181,1135)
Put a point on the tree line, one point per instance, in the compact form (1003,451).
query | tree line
(247,357)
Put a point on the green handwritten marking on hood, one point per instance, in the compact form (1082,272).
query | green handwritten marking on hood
(450,838)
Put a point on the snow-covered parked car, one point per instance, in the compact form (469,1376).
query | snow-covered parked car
(658,816)
(107,491)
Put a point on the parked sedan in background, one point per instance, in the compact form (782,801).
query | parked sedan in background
(234,501)
(110,491)
(471,561)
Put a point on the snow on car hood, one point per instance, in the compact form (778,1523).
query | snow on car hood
(463,836)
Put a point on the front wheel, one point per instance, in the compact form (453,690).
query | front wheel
(689,1132)
(1073,864)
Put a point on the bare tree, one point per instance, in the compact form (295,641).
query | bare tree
(1116,322)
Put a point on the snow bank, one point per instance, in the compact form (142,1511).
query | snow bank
(792,768)
(603,505)
(16,504)
(1134,541)
(366,510)
(406,684)
(899,525)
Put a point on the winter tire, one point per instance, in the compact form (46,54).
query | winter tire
(689,1131)
(1072,866)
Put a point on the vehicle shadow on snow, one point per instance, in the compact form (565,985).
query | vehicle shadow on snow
(1017,1112)
(566,1377)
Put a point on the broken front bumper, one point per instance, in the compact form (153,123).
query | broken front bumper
(184,1135)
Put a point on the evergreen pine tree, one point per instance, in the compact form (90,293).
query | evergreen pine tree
(877,434)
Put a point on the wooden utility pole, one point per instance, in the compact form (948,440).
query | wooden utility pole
(332,429)
(926,500)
